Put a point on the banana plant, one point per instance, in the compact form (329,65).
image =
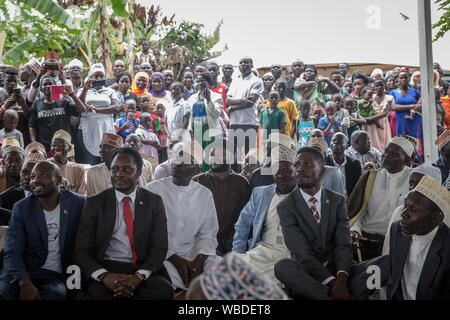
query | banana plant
(14,55)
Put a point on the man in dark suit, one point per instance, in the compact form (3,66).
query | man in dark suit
(12,195)
(315,227)
(420,246)
(41,238)
(122,238)
(351,168)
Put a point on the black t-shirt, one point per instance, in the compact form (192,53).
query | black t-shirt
(48,118)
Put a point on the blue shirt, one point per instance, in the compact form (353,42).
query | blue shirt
(323,124)
(125,133)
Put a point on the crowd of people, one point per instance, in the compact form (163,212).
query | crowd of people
(210,186)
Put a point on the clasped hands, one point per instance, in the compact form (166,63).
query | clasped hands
(123,285)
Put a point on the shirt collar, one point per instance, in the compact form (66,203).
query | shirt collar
(120,195)
(307,196)
(340,165)
(426,238)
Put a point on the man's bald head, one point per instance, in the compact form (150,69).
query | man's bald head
(49,167)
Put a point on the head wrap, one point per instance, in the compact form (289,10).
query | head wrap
(376,71)
(112,140)
(96,67)
(75,63)
(134,87)
(407,146)
(34,157)
(34,65)
(51,55)
(162,92)
(429,170)
(403,69)
(190,149)
(35,146)
(71,152)
(280,139)
(310,66)
(9,149)
(434,191)
(234,279)
(10,141)
(268,74)
(282,153)
(443,139)
(318,142)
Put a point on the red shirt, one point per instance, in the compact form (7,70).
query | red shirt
(220,89)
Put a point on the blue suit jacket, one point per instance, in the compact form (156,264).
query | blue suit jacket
(26,244)
(252,215)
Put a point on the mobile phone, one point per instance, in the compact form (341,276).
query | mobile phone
(16,91)
(99,83)
(51,65)
(203,85)
(57,93)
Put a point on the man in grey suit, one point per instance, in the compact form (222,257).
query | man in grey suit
(315,227)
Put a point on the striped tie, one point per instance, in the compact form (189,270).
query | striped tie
(312,202)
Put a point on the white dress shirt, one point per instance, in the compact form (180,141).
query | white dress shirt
(119,247)
(412,270)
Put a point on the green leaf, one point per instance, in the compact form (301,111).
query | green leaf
(14,55)
(54,12)
(120,8)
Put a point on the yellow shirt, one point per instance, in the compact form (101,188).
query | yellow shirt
(290,110)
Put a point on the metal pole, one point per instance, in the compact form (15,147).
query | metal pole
(426,80)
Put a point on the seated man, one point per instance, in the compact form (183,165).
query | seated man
(266,246)
(41,238)
(12,195)
(315,227)
(229,189)
(361,150)
(351,168)
(13,156)
(191,218)
(98,176)
(74,173)
(122,237)
(420,246)
(377,194)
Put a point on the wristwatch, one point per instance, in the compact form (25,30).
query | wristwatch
(140,276)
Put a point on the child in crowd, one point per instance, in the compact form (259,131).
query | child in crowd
(150,141)
(273,118)
(286,104)
(303,125)
(365,107)
(359,82)
(128,124)
(162,134)
(347,88)
(440,112)
(355,120)
(10,121)
(145,105)
(341,113)
(329,124)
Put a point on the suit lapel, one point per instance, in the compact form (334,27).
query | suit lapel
(305,212)
(64,212)
(110,214)
(325,211)
(431,265)
(401,254)
(39,218)
(140,213)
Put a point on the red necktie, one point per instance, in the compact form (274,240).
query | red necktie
(315,213)
(128,215)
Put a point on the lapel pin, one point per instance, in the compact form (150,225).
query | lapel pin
(141,203)
(327,201)
(65,211)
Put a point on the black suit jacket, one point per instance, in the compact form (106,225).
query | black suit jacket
(11,195)
(353,172)
(97,225)
(311,244)
(434,281)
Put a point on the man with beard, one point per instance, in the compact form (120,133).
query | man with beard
(377,194)
(74,173)
(13,157)
(191,218)
(122,237)
(260,214)
(17,192)
(230,192)
(40,239)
